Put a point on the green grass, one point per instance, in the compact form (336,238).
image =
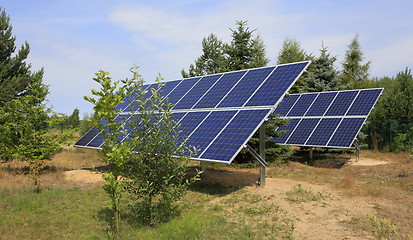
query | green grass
(52,214)
(82,214)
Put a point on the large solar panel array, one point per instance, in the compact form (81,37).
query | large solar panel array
(326,119)
(217,113)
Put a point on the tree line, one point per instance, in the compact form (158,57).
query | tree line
(390,125)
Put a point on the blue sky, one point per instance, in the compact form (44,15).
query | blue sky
(73,39)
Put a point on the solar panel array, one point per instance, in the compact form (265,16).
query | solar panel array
(217,113)
(326,119)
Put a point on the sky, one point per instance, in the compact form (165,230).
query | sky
(73,39)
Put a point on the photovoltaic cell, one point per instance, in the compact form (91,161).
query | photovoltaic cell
(277,84)
(237,132)
(209,129)
(245,87)
(196,92)
(302,131)
(302,105)
(346,132)
(323,132)
(190,122)
(341,104)
(286,105)
(364,102)
(181,89)
(288,130)
(218,91)
(321,103)
(88,136)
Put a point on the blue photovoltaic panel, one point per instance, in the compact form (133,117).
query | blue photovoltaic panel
(302,105)
(209,129)
(288,128)
(277,84)
(286,105)
(245,87)
(230,141)
(197,92)
(217,113)
(190,122)
(321,104)
(302,131)
(181,89)
(218,91)
(96,142)
(346,132)
(364,102)
(323,132)
(337,110)
(341,104)
(127,100)
(87,137)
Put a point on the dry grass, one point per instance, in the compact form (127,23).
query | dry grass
(390,186)
(14,174)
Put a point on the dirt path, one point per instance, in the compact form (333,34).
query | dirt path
(322,219)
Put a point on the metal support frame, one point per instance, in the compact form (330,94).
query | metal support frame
(311,153)
(261,156)
(357,146)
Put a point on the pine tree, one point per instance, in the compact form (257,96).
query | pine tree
(290,52)
(15,74)
(245,51)
(211,61)
(323,75)
(354,72)
(24,120)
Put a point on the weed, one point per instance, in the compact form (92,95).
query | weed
(299,194)
(382,228)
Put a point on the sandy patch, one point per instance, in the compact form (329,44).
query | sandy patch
(366,162)
(83,176)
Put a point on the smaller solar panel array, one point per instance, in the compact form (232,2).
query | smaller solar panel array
(326,119)
(217,113)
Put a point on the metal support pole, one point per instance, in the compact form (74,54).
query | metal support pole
(357,146)
(311,153)
(262,154)
(203,166)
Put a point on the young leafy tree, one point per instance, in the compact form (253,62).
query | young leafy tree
(114,152)
(157,173)
(355,73)
(143,154)
(290,52)
(37,143)
(323,75)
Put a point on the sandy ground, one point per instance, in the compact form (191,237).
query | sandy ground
(325,219)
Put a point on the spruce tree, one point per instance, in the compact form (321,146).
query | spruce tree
(211,61)
(245,51)
(354,72)
(323,75)
(15,73)
(290,52)
(24,120)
